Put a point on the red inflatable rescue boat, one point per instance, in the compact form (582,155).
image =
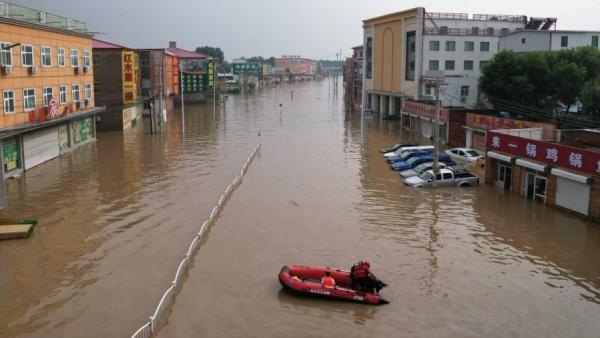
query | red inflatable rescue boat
(306,280)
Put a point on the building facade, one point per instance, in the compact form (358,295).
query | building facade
(557,174)
(548,40)
(197,71)
(116,85)
(293,67)
(159,71)
(47,87)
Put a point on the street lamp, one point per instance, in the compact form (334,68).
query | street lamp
(435,78)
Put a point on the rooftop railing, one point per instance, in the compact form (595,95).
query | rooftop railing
(33,16)
(465,31)
(479,17)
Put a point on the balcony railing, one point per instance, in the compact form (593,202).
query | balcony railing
(478,17)
(464,31)
(33,16)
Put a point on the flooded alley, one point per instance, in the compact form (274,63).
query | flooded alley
(116,216)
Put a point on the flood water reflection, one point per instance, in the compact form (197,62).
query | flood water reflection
(116,217)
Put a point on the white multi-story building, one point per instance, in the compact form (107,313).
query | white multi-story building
(536,40)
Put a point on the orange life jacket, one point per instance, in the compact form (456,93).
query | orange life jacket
(328,282)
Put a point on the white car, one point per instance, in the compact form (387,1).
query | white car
(419,169)
(465,154)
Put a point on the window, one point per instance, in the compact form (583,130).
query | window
(5,54)
(484,46)
(46,53)
(595,41)
(564,41)
(74,58)
(87,93)
(469,46)
(61,57)
(47,95)
(86,58)
(3,9)
(523,41)
(63,94)
(411,56)
(447,176)
(444,30)
(96,59)
(369,63)
(434,65)
(490,31)
(449,65)
(450,46)
(428,90)
(475,30)
(75,93)
(9,102)
(434,45)
(41,17)
(504,31)
(70,24)
(482,64)
(464,90)
(29,99)
(468,65)
(26,55)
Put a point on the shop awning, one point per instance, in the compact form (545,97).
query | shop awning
(571,176)
(531,165)
(499,156)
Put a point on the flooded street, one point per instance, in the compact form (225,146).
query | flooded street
(116,217)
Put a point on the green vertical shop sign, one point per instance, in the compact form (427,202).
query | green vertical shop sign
(11,155)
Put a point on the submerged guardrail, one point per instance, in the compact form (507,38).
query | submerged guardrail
(160,315)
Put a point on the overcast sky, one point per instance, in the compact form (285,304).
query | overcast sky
(311,28)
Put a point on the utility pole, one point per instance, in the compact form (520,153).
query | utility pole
(436,79)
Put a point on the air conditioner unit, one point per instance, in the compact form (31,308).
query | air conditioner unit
(33,70)
(6,69)
(86,69)
(77,70)
(463,99)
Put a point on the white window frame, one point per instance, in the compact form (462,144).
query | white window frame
(471,43)
(73,91)
(3,9)
(76,57)
(462,93)
(6,51)
(87,89)
(42,56)
(472,65)
(46,101)
(451,43)
(41,17)
(25,100)
(430,63)
(62,89)
(4,99)
(453,65)
(86,58)
(482,43)
(58,55)
(23,53)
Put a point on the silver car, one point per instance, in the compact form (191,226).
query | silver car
(419,169)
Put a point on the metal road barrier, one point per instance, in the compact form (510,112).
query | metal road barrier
(161,313)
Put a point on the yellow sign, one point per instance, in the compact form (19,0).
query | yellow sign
(129,70)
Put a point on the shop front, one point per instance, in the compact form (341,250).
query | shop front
(420,117)
(550,173)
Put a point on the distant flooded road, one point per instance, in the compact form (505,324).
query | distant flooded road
(116,217)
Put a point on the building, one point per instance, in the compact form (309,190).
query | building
(548,40)
(47,87)
(159,71)
(353,77)
(403,49)
(198,72)
(564,174)
(116,85)
(292,67)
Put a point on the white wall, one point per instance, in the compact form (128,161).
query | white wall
(545,40)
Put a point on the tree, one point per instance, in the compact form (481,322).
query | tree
(568,81)
(590,98)
(215,52)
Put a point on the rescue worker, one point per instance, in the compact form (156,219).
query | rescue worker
(363,279)
(328,281)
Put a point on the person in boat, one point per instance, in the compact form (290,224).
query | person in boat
(328,281)
(363,279)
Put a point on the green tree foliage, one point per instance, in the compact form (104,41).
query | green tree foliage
(215,52)
(552,81)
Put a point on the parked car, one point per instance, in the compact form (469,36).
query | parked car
(465,154)
(411,163)
(445,178)
(407,155)
(397,146)
(424,167)
(400,150)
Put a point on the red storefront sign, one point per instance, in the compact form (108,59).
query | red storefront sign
(487,122)
(423,109)
(551,153)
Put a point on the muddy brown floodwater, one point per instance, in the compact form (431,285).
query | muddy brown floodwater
(116,216)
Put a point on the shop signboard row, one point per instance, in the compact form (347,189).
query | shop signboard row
(246,68)
(487,122)
(199,79)
(551,153)
(424,109)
